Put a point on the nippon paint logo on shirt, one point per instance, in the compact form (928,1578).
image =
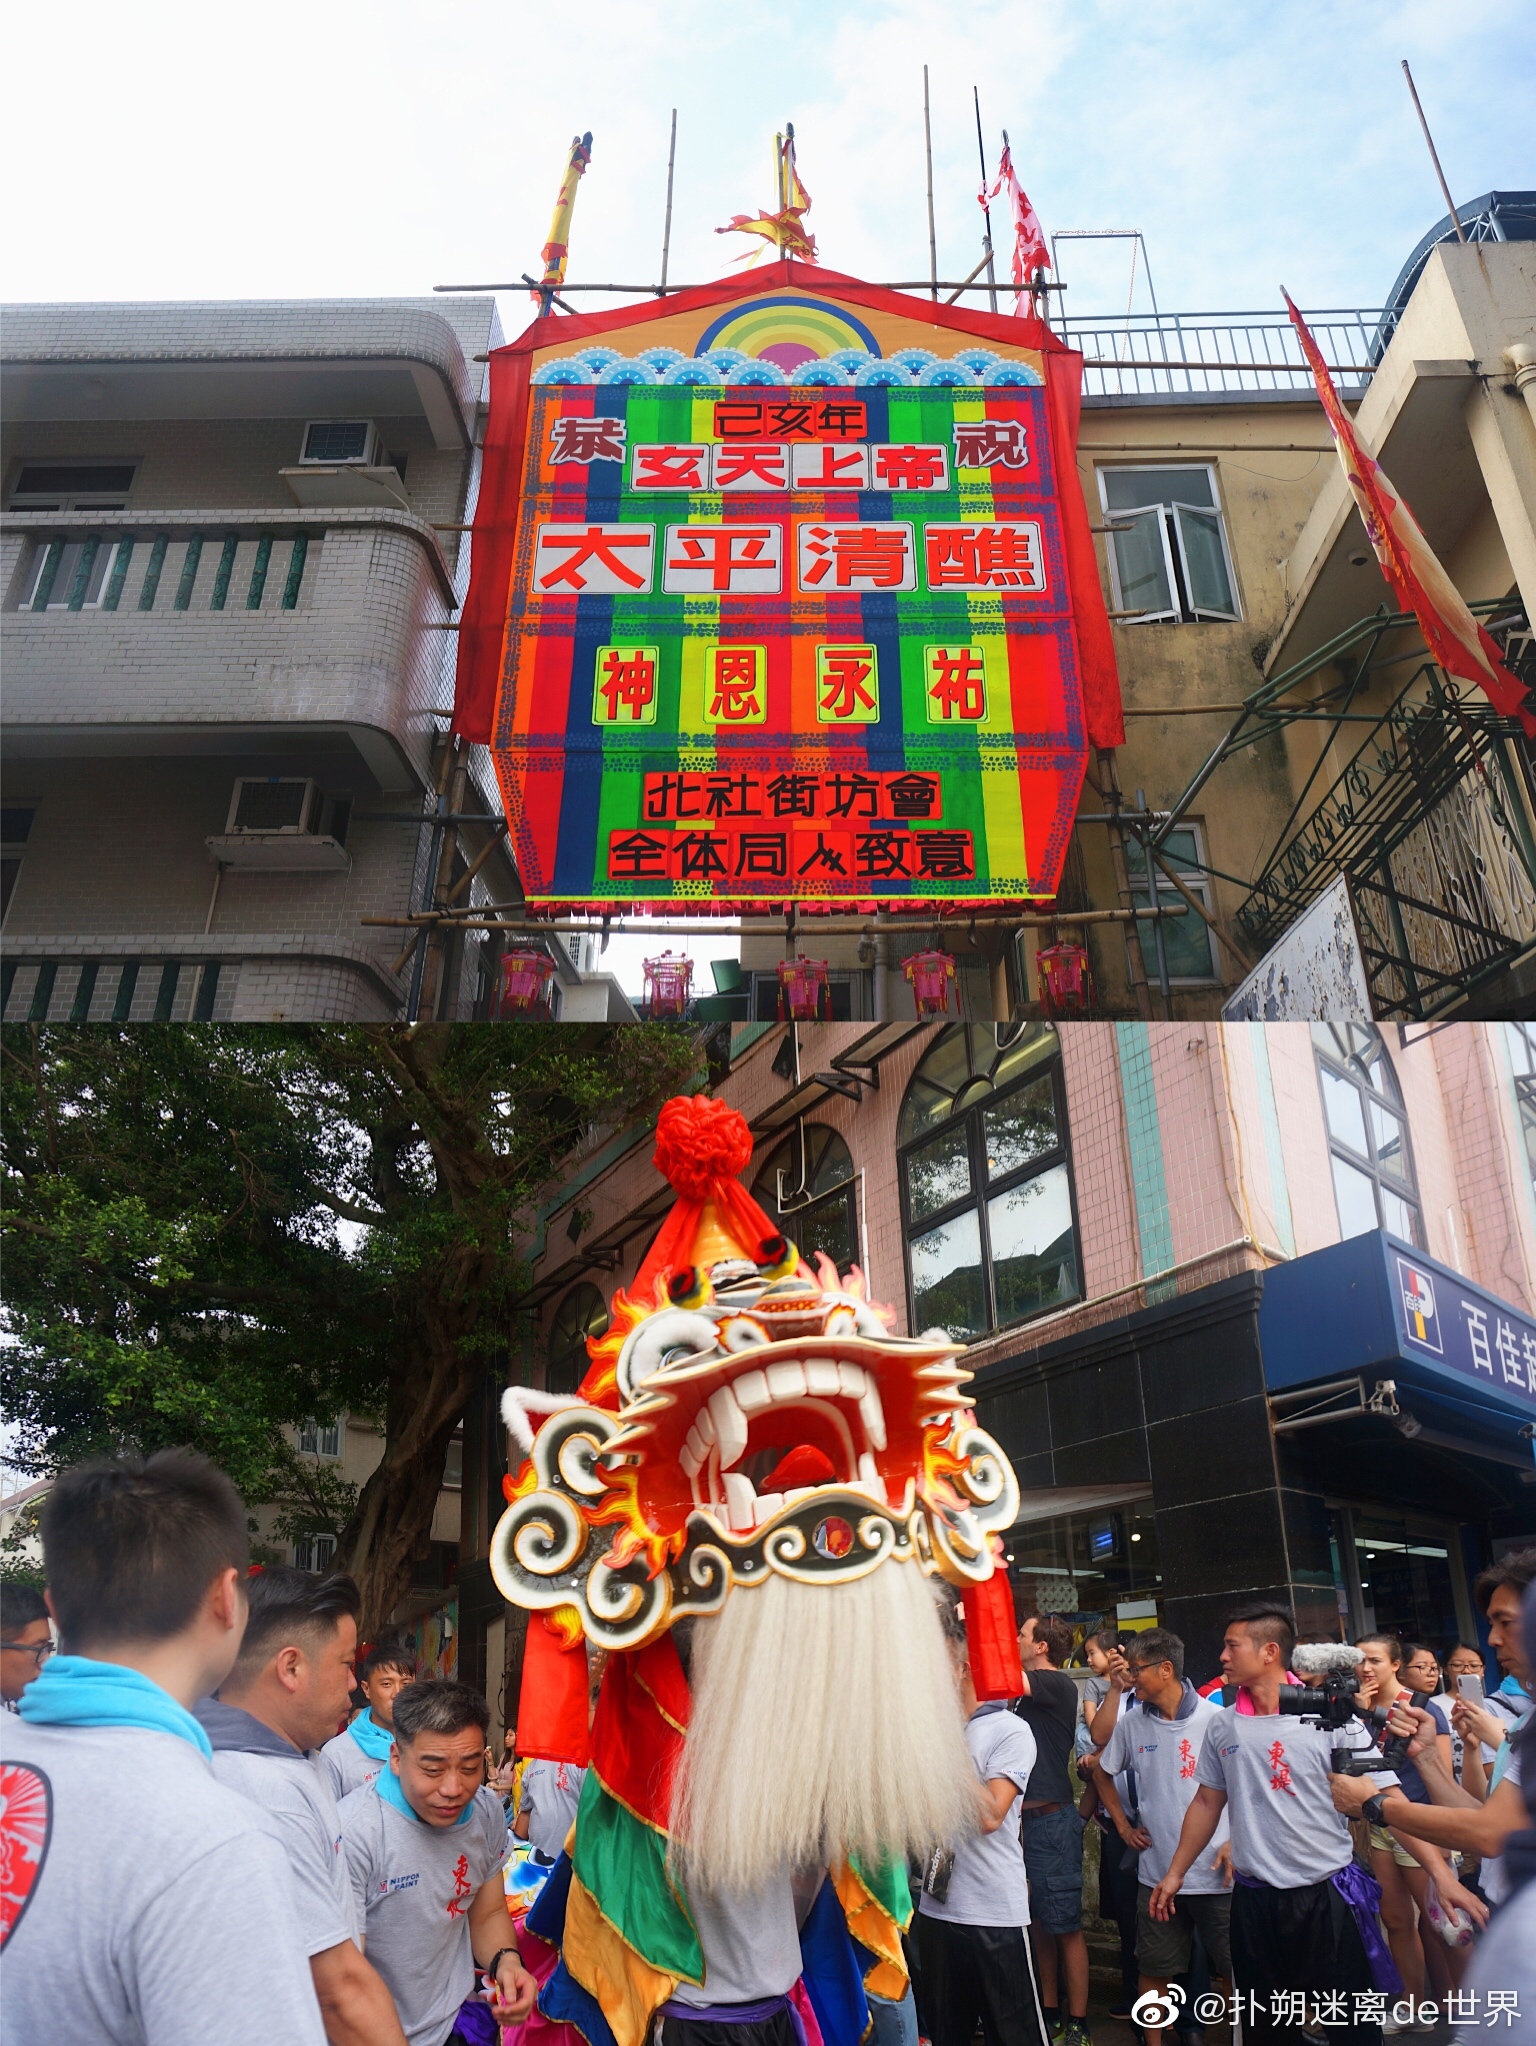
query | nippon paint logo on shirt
(390,1884)
(1146,1747)
(1228,1750)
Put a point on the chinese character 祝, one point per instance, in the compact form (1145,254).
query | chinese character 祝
(991,444)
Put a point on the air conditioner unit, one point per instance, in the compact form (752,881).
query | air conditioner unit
(341,443)
(276,804)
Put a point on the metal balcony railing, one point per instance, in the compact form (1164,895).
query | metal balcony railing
(1161,355)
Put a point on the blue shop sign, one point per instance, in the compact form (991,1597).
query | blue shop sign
(1376,1303)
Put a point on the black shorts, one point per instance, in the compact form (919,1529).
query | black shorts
(1165,1946)
(779,2030)
(978,1974)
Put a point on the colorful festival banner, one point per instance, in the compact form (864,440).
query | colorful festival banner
(780,602)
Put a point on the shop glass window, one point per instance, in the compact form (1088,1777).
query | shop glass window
(986,1181)
(1521,1039)
(1168,552)
(807,1186)
(1186,940)
(583,1313)
(1373,1179)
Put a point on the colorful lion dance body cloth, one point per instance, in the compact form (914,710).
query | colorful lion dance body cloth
(747,1505)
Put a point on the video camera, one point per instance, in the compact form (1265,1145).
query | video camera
(1330,1701)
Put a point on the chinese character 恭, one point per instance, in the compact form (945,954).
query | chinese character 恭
(702,559)
(944,855)
(857,557)
(669,468)
(586,440)
(637,856)
(738,464)
(991,443)
(882,855)
(823,465)
(626,685)
(985,557)
(956,683)
(700,856)
(734,693)
(763,853)
(911,468)
(599,559)
(820,855)
(847,691)
(913,795)
(853,795)
(1477,1329)
(1279,1769)
(793,795)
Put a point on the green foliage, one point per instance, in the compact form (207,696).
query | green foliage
(212,1235)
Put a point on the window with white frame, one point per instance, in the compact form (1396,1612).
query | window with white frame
(314,1552)
(1186,940)
(1373,1177)
(1168,551)
(71,574)
(320,1439)
(1521,1039)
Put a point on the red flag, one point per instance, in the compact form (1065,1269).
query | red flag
(992,1636)
(1409,563)
(1029,250)
(552,1720)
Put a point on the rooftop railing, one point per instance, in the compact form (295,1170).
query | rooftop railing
(1163,355)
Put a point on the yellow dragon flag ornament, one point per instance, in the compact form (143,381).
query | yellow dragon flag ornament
(754,1504)
(784,229)
(556,252)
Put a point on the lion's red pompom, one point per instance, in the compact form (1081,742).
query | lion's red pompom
(698,1141)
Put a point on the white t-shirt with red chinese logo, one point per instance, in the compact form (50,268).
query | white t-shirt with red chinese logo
(1165,1754)
(414,1884)
(1274,1768)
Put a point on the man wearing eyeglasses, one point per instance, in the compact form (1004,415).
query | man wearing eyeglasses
(26,1641)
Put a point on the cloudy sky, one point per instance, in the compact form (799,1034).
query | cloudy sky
(327,147)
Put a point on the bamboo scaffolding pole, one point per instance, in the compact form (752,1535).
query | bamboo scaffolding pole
(666,233)
(933,246)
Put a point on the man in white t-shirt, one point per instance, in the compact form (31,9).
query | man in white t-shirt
(144,1901)
(286,1691)
(425,1842)
(971,1939)
(1160,1738)
(1297,1893)
(546,1808)
(357,1754)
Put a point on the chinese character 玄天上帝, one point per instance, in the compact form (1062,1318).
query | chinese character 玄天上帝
(823,465)
(847,685)
(624,685)
(985,557)
(749,464)
(735,684)
(954,684)
(991,444)
(856,557)
(709,560)
(573,439)
(910,468)
(669,467)
(598,560)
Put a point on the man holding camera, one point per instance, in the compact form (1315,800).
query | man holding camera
(1297,1892)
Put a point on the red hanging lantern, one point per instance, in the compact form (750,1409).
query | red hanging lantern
(930,974)
(804,995)
(1066,980)
(524,986)
(667,981)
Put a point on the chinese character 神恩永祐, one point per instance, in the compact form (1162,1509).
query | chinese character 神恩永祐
(985,557)
(751,464)
(857,557)
(882,855)
(734,685)
(668,467)
(824,465)
(991,444)
(847,688)
(1279,1769)
(701,560)
(599,560)
(638,855)
(820,855)
(853,795)
(955,683)
(586,440)
(625,685)
(913,795)
(794,795)
(1477,1329)
(911,468)
(944,855)
(763,855)
(700,856)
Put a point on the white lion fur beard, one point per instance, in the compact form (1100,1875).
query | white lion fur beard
(825,1722)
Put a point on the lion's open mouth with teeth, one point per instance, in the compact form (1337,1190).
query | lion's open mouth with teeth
(760,1419)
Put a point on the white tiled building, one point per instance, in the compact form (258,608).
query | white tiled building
(231,561)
